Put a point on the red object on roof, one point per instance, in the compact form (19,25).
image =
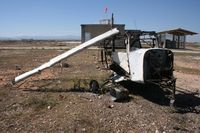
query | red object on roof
(106,10)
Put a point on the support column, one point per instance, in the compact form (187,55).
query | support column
(184,41)
(178,41)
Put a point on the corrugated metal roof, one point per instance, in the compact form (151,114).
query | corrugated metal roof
(178,31)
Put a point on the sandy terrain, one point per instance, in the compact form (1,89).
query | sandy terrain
(48,102)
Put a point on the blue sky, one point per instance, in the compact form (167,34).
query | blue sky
(63,17)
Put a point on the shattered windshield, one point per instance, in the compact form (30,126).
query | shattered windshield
(145,41)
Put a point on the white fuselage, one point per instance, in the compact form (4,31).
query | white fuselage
(133,62)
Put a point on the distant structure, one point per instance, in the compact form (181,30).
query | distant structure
(89,31)
(174,38)
(106,21)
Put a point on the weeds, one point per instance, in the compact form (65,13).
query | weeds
(39,102)
(187,54)
(187,70)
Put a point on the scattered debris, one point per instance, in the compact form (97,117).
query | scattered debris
(111,106)
(17,68)
(49,107)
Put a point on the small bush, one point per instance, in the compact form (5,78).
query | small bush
(39,102)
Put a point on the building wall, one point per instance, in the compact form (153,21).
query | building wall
(92,30)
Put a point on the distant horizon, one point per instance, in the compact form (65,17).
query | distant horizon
(73,37)
(53,38)
(66,37)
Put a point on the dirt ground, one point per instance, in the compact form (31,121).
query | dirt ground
(50,102)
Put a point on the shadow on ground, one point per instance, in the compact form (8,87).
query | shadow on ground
(186,102)
(56,90)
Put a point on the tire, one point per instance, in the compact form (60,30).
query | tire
(94,86)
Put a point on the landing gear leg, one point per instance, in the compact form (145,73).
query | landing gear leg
(94,86)
(173,98)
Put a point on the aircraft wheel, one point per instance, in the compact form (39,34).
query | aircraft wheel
(94,86)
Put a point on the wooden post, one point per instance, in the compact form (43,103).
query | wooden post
(184,41)
(113,40)
(178,41)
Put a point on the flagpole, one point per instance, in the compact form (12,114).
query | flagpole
(105,11)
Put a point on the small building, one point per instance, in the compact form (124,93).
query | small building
(175,38)
(89,31)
